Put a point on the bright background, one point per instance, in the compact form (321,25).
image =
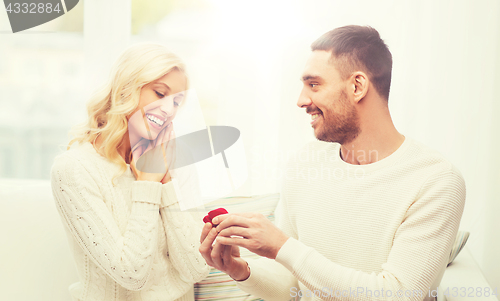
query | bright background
(244,60)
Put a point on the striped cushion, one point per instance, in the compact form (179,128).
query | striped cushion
(460,241)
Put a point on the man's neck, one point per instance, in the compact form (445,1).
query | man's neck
(378,137)
(371,146)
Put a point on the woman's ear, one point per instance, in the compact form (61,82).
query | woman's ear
(360,85)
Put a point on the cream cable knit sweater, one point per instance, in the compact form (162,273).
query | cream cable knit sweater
(359,231)
(130,242)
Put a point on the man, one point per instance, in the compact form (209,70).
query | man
(378,220)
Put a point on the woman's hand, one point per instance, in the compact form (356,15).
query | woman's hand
(167,178)
(169,152)
(146,162)
(154,149)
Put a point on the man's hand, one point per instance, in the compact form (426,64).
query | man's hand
(224,258)
(258,234)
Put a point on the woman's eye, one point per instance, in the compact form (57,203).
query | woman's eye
(313,85)
(177,101)
(159,94)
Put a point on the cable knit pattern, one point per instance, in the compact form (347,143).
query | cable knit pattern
(356,229)
(182,244)
(183,226)
(118,238)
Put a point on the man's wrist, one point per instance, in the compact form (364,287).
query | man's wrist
(243,275)
(283,240)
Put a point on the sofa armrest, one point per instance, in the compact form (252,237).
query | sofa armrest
(463,280)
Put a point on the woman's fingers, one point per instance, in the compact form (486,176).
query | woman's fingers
(140,148)
(169,151)
(132,167)
(150,158)
(165,160)
(150,165)
(170,148)
(164,134)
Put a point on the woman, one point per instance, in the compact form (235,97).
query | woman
(129,238)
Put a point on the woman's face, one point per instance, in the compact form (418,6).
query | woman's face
(158,104)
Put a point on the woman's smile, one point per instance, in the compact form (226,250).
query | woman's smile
(155,121)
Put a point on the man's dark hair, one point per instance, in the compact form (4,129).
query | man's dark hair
(359,48)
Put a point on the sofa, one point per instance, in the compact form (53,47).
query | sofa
(36,263)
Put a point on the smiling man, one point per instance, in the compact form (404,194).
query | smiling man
(379,220)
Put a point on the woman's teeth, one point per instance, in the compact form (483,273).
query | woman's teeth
(154,119)
(314,116)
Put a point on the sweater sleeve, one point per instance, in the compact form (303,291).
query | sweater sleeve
(127,258)
(269,279)
(183,228)
(420,248)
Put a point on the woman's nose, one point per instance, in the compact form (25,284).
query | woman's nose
(167,106)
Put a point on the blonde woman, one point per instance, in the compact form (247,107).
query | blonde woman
(128,236)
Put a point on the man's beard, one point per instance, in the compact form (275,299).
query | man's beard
(342,128)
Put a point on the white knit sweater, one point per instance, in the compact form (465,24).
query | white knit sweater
(356,229)
(130,242)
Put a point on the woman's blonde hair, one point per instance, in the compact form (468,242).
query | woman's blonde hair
(107,109)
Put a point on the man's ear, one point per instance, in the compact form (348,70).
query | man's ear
(360,84)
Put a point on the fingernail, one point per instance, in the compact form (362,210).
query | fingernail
(215,220)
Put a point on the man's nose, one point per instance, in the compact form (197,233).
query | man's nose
(304,99)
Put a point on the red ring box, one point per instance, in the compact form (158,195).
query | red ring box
(208,218)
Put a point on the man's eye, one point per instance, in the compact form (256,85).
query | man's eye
(159,94)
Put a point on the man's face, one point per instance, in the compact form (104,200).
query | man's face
(326,98)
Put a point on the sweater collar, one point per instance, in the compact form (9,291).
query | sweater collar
(368,168)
